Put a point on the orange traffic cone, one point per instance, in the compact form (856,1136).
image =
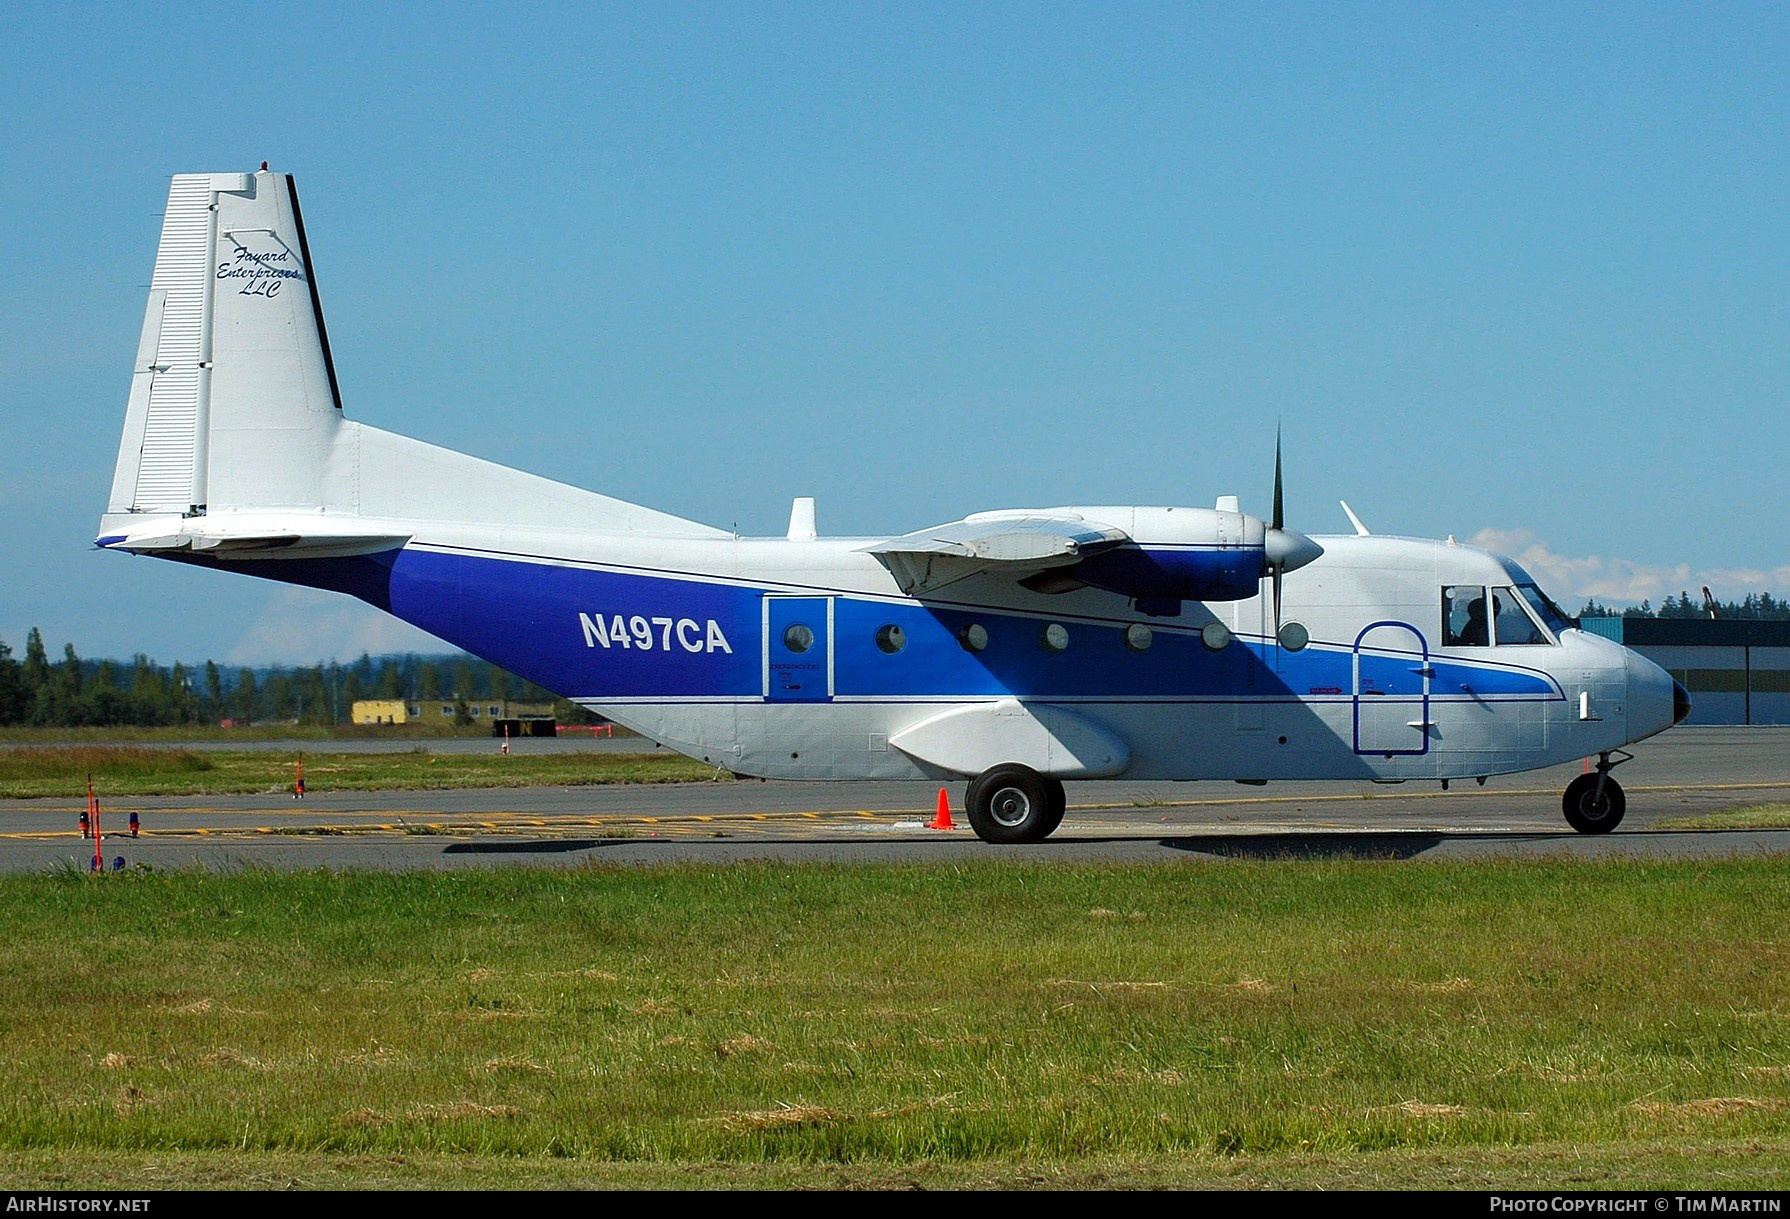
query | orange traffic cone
(943,820)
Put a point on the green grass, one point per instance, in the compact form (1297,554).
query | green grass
(1714,1164)
(59,769)
(420,730)
(128,770)
(1238,1023)
(1752,817)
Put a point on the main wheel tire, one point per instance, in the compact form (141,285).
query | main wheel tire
(1587,811)
(1009,804)
(1056,804)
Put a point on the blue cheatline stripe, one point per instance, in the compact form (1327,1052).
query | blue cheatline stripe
(699,638)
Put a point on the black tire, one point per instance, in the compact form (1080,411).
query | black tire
(1056,803)
(1009,804)
(1589,814)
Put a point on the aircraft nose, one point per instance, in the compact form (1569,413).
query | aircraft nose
(1655,700)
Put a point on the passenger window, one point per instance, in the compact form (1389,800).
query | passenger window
(1463,616)
(1511,623)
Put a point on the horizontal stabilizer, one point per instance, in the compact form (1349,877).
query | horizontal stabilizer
(252,537)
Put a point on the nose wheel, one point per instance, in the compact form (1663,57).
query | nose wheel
(1594,803)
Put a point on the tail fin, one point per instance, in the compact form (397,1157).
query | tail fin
(235,411)
(234,396)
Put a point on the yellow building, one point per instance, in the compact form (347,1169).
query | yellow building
(380,711)
(438,710)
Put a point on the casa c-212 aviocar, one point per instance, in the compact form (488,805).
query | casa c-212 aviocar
(1015,649)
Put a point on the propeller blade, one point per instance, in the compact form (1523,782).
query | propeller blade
(1279,521)
(1283,550)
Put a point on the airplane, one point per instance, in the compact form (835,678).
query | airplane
(1013,649)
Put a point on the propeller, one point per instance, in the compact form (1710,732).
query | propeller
(1283,549)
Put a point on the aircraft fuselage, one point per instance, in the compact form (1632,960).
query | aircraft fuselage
(683,640)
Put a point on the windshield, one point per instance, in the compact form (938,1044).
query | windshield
(1545,609)
(1557,619)
(1510,625)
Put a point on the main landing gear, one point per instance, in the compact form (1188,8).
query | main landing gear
(1594,803)
(1014,803)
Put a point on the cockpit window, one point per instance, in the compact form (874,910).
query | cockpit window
(1511,623)
(1463,616)
(1551,615)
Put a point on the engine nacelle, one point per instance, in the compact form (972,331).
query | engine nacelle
(1189,554)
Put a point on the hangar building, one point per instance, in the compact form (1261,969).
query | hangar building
(1738,671)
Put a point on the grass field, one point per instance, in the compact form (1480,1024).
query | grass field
(418,731)
(129,770)
(1320,1024)
(1774,816)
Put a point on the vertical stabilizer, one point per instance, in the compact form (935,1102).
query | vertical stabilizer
(233,397)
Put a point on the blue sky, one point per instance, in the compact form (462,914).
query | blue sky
(1516,272)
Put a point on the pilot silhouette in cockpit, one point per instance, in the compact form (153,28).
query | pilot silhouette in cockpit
(1474,632)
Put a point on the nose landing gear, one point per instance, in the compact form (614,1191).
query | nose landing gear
(1594,803)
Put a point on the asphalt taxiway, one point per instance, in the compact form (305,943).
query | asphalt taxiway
(1683,774)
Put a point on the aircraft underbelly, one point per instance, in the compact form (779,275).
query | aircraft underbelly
(855,741)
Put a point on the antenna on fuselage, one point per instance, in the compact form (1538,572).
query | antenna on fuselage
(1360,529)
(801,519)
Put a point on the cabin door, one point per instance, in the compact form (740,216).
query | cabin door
(1392,690)
(798,649)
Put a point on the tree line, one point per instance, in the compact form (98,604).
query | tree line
(1754,607)
(73,692)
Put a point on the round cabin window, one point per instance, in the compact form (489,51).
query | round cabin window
(798,638)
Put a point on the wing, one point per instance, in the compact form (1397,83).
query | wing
(1018,544)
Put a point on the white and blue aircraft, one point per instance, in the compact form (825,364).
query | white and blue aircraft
(1015,649)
